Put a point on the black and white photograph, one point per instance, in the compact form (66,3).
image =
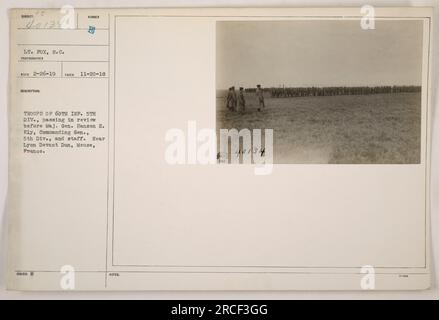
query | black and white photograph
(193,152)
(332,91)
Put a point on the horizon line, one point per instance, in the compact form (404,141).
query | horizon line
(331,86)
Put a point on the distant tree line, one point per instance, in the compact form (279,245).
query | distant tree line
(285,92)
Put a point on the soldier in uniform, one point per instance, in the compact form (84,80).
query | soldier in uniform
(260,95)
(229,99)
(241,99)
(234,99)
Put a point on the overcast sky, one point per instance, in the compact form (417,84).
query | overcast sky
(318,53)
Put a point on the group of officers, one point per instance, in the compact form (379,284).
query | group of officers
(236,102)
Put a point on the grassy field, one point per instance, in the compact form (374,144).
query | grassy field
(381,128)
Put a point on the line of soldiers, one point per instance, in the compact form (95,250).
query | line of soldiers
(233,101)
(334,91)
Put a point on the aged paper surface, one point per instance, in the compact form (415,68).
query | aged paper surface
(113,186)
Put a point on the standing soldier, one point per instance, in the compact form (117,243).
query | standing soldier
(260,95)
(234,99)
(241,99)
(231,100)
